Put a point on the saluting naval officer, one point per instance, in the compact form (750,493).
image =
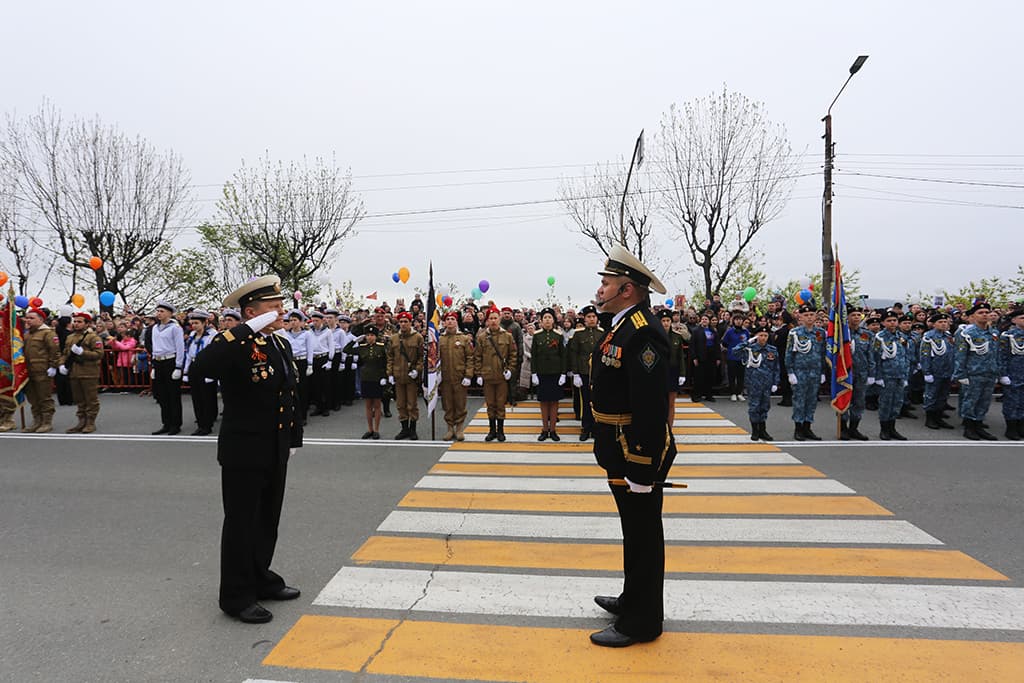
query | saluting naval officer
(633,441)
(261,428)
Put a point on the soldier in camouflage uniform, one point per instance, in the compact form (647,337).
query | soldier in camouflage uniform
(889,369)
(405,361)
(1011,371)
(937,365)
(761,362)
(805,360)
(860,338)
(976,368)
(455,351)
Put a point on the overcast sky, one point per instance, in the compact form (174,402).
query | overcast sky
(452,95)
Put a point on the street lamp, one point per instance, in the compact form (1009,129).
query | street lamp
(827,257)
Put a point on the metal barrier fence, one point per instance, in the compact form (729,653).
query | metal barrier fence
(125,370)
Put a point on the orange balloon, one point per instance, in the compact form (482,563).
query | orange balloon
(439,299)
(78,300)
(403,274)
(3,278)
(95,262)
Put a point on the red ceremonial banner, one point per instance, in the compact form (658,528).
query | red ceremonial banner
(13,369)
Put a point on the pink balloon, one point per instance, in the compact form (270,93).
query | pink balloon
(297,295)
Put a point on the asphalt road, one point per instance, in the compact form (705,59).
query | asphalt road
(110,544)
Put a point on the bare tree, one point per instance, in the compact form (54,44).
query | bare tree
(593,201)
(292,219)
(102,193)
(727,171)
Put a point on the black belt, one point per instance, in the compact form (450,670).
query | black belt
(318,356)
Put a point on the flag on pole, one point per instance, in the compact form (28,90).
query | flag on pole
(13,369)
(838,352)
(371,296)
(431,361)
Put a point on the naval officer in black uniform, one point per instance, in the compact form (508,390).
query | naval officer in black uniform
(633,441)
(261,428)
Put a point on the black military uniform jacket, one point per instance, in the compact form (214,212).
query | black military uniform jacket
(257,379)
(629,400)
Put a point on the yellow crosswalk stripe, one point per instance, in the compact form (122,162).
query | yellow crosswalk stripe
(694,559)
(588,447)
(487,652)
(677,430)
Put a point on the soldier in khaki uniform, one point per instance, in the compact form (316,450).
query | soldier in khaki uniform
(42,354)
(83,352)
(455,349)
(494,360)
(405,358)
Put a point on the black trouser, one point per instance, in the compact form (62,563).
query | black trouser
(204,403)
(706,374)
(319,386)
(348,383)
(586,415)
(785,388)
(737,373)
(252,510)
(303,382)
(643,562)
(335,382)
(167,392)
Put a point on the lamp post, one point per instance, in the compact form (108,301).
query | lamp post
(827,257)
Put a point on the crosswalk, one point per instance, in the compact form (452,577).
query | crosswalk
(774,572)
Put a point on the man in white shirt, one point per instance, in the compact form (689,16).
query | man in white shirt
(323,354)
(168,364)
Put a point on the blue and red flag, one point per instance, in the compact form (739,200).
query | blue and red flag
(13,368)
(837,350)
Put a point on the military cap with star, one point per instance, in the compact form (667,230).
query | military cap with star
(588,309)
(266,288)
(621,263)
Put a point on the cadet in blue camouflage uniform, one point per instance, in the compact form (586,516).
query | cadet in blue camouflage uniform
(906,330)
(1011,371)
(889,367)
(761,361)
(937,366)
(860,338)
(805,360)
(976,368)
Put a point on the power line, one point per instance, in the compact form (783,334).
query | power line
(945,181)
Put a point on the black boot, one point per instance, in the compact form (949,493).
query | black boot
(492,434)
(893,434)
(1013,430)
(387,407)
(940,420)
(501,429)
(983,432)
(844,431)
(883,432)
(413,436)
(907,411)
(798,431)
(931,420)
(765,436)
(755,430)
(404,432)
(808,434)
(853,432)
(970,431)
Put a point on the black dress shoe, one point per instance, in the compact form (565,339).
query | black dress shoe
(553,436)
(376,436)
(254,614)
(608,603)
(612,638)
(286,593)
(173,430)
(162,430)
(368,435)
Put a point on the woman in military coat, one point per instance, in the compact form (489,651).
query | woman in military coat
(372,359)
(547,354)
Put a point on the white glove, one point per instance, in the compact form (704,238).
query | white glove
(577,381)
(76,349)
(561,380)
(682,381)
(51,372)
(292,451)
(880,382)
(871,380)
(184,378)
(638,488)
(507,374)
(383,381)
(774,388)
(479,381)
(905,382)
(176,375)
(207,380)
(534,379)
(466,382)
(391,379)
(792,379)
(918,366)
(152,374)
(360,338)
(929,378)
(63,370)
(413,374)
(965,381)
(341,368)
(309,370)
(259,322)
(823,378)
(1005,381)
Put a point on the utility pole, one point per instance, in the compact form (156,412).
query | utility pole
(827,257)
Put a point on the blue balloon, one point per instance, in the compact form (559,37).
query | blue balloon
(668,302)
(107,298)
(21,301)
(806,296)
(394,276)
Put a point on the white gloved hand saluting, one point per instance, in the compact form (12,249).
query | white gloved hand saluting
(880,382)
(413,374)
(259,322)
(184,378)
(682,381)
(1005,381)
(534,379)
(965,382)
(176,375)
(309,371)
(929,378)
(792,378)
(577,381)
(774,388)
(63,370)
(871,380)
(51,372)
(391,379)
(638,488)
(507,374)
(76,349)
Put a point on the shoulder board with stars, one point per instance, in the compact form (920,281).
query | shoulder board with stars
(638,320)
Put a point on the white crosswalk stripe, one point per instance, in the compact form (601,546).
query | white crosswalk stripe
(597,484)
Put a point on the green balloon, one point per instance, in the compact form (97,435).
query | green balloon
(749,294)
(551,280)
